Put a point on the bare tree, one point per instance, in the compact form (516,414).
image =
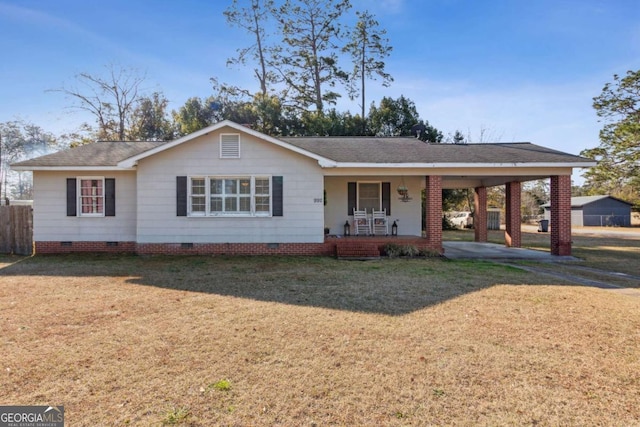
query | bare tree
(20,140)
(111,99)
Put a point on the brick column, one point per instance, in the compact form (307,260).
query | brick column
(433,212)
(480,214)
(512,234)
(560,222)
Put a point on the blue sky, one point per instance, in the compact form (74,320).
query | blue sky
(502,70)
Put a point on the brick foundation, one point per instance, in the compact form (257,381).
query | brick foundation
(236,249)
(71,247)
(328,248)
(186,248)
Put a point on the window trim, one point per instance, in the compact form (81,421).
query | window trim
(252,195)
(79,197)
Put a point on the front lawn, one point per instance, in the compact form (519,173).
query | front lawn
(207,341)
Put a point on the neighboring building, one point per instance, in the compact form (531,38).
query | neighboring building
(230,189)
(597,211)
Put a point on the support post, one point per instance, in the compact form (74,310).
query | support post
(433,212)
(513,230)
(480,224)
(560,223)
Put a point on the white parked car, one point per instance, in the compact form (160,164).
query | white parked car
(462,220)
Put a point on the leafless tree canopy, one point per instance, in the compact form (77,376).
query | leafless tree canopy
(110,98)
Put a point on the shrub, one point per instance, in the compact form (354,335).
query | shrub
(429,253)
(409,250)
(394,250)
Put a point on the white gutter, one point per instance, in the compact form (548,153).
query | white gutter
(456,165)
(70,168)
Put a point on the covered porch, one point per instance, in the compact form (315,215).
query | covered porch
(369,172)
(419,218)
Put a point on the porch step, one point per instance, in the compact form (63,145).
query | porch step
(357,251)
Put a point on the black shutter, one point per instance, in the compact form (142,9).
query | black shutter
(386,197)
(278,199)
(352,202)
(72,197)
(109,197)
(181,196)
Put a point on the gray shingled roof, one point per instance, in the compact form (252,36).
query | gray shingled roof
(370,150)
(103,153)
(412,150)
(580,201)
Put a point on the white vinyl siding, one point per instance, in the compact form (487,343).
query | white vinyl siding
(50,222)
(302,221)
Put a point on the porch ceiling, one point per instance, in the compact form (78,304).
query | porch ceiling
(472,181)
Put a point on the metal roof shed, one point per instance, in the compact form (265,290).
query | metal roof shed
(597,211)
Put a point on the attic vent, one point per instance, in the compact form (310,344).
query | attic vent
(230,146)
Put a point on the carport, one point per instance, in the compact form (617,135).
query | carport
(348,162)
(560,213)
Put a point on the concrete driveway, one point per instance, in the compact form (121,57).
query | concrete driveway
(473,250)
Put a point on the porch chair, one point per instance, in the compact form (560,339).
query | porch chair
(379,222)
(361,222)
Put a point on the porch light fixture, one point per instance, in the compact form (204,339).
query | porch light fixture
(403,192)
(347,228)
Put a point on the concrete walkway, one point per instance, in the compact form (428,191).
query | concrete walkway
(474,250)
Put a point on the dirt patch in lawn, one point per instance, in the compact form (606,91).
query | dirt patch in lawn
(314,341)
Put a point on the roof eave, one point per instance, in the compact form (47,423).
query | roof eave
(133,161)
(69,168)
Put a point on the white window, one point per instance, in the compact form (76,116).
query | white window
(369,196)
(91,196)
(230,146)
(230,196)
(198,195)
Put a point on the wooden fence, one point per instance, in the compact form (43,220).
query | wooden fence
(16,230)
